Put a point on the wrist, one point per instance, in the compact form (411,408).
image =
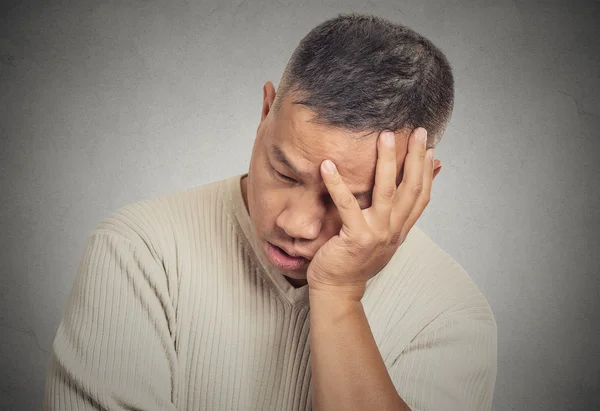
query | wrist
(347,294)
(324,285)
(335,298)
(329,312)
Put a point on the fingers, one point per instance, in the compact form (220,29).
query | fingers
(412,185)
(425,196)
(384,190)
(346,203)
(396,208)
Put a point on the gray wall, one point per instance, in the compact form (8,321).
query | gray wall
(106,104)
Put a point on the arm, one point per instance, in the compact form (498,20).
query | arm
(113,348)
(451,367)
(348,372)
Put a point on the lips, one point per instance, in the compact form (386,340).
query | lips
(291,254)
(283,259)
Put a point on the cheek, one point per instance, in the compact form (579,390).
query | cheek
(267,203)
(271,202)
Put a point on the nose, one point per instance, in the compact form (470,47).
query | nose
(302,218)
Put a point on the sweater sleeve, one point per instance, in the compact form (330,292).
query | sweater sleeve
(450,368)
(113,349)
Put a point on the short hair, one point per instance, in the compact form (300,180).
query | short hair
(364,73)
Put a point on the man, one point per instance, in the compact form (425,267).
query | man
(304,283)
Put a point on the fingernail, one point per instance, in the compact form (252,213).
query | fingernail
(430,154)
(328,166)
(390,139)
(422,136)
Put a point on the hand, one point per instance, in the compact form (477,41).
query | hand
(369,238)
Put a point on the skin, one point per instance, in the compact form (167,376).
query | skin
(314,212)
(300,215)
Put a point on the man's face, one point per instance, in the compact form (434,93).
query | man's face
(286,198)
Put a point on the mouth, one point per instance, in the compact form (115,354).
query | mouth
(284,261)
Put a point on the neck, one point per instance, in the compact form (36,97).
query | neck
(244,186)
(296,283)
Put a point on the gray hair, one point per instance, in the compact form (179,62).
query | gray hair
(366,74)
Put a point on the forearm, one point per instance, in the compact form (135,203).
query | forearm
(348,372)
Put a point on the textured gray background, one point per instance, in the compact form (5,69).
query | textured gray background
(106,104)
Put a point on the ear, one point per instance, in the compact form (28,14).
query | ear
(268,98)
(437,166)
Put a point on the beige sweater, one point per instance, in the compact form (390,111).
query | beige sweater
(173,308)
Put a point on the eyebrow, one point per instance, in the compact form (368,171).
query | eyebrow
(281,157)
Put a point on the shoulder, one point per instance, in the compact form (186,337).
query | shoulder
(423,288)
(160,222)
(434,327)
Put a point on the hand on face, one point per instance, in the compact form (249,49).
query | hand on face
(369,238)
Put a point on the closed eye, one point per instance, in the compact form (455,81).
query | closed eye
(282,176)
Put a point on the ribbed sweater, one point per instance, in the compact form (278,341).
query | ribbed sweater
(174,307)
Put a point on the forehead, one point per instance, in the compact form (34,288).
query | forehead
(307,144)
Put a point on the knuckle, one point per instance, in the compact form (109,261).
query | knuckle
(382,240)
(416,189)
(364,240)
(346,200)
(388,192)
(395,239)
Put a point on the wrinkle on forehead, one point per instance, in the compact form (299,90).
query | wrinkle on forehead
(308,144)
